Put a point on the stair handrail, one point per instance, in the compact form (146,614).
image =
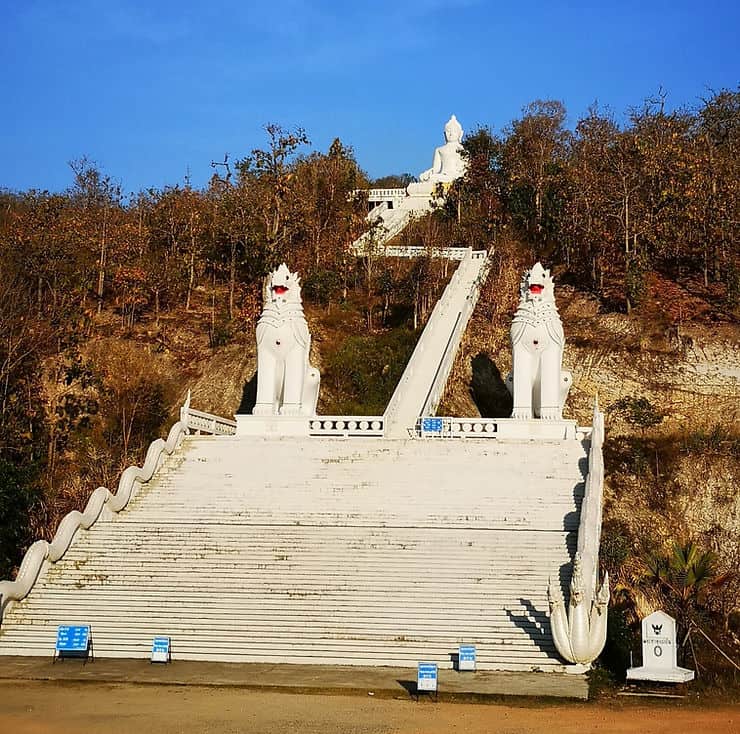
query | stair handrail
(101,505)
(579,629)
(589,529)
(436,389)
(449,295)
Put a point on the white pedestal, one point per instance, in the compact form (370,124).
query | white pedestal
(535,429)
(663,675)
(272,425)
(659,654)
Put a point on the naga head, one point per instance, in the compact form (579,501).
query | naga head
(282,287)
(537,285)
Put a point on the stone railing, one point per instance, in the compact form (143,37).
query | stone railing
(448,253)
(200,422)
(499,428)
(101,506)
(589,529)
(436,389)
(347,425)
(386,194)
(457,427)
(438,342)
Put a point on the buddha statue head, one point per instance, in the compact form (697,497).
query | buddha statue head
(453,130)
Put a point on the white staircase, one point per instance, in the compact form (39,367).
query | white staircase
(324,550)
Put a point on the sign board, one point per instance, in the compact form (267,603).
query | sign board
(659,654)
(73,641)
(73,638)
(160,650)
(431,426)
(426,677)
(466,657)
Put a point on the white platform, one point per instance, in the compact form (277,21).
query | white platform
(663,675)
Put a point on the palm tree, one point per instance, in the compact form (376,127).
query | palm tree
(681,575)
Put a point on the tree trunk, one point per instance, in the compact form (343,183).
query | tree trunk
(191,279)
(101,262)
(232,279)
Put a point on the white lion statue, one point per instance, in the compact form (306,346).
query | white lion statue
(537,383)
(286,383)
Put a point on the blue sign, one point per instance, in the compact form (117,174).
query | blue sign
(466,657)
(431,425)
(73,639)
(161,650)
(426,677)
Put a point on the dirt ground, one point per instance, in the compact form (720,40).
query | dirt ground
(54,708)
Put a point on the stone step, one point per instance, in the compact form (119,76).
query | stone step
(363,552)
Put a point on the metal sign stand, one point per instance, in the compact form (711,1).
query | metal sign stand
(73,641)
(426,680)
(161,650)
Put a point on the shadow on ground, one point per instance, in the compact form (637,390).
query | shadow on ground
(488,389)
(249,396)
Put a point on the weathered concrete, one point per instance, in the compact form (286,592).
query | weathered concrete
(345,679)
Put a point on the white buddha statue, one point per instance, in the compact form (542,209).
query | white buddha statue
(448,163)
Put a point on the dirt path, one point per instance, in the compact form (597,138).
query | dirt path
(52,708)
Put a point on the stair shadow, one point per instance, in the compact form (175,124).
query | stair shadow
(488,389)
(535,623)
(249,396)
(572,519)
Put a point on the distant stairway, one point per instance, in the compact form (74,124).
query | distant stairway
(332,551)
(422,384)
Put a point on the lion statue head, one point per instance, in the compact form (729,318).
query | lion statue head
(282,288)
(537,286)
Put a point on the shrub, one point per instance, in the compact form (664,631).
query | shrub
(638,412)
(321,286)
(364,371)
(18,494)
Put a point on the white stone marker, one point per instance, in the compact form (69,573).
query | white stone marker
(659,661)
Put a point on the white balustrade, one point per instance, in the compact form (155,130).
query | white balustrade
(385,194)
(447,253)
(461,428)
(201,422)
(347,425)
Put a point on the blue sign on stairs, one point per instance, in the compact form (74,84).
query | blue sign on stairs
(160,650)
(73,641)
(466,657)
(431,426)
(426,678)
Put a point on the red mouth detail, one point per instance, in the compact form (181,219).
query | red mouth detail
(535,288)
(280,289)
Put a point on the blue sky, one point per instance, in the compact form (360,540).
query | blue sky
(150,90)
